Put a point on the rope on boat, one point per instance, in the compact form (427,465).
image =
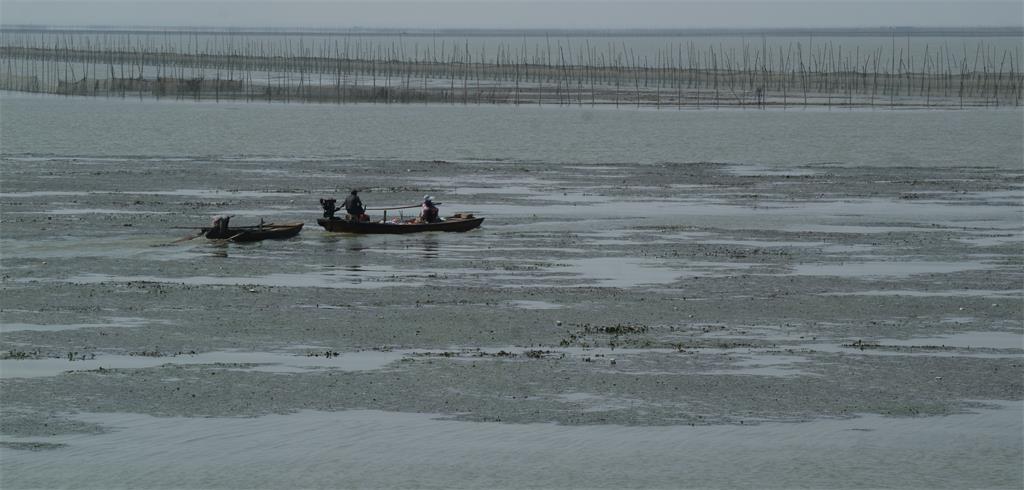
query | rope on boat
(416,206)
(399,207)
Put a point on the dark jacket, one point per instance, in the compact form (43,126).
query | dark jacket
(353,205)
(429,213)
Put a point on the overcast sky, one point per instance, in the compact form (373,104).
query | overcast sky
(434,14)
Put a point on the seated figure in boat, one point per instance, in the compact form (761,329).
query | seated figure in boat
(218,228)
(220,224)
(354,207)
(428,213)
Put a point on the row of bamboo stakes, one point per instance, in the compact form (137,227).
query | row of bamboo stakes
(356,70)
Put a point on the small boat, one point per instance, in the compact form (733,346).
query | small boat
(459,222)
(254,233)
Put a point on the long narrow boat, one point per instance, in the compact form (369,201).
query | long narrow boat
(254,233)
(454,223)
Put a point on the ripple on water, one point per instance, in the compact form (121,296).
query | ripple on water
(888,268)
(360,448)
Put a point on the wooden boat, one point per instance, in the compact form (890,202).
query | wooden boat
(458,222)
(254,233)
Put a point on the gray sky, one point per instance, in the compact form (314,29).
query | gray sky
(434,14)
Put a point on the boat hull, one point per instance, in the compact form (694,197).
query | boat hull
(366,227)
(255,233)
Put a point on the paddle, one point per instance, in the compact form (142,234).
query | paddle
(225,241)
(231,238)
(189,237)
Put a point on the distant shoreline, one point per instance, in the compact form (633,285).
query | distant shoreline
(897,31)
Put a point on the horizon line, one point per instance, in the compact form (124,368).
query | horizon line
(368,30)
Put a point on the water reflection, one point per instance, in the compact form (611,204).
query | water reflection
(355,244)
(430,247)
(336,242)
(218,248)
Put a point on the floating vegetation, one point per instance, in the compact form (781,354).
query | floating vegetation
(75,356)
(537,354)
(617,329)
(501,354)
(31,445)
(19,355)
(582,336)
(866,345)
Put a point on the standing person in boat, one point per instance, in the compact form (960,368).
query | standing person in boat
(330,206)
(354,207)
(429,211)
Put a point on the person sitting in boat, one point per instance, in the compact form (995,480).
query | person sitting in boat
(354,207)
(218,228)
(428,212)
(220,224)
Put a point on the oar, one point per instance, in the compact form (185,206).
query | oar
(224,241)
(189,237)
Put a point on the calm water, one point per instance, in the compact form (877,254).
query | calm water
(360,449)
(42,126)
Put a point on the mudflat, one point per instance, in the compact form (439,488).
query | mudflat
(731,322)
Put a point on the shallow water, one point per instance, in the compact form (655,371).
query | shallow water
(393,450)
(989,340)
(122,322)
(271,362)
(637,272)
(489,134)
(890,268)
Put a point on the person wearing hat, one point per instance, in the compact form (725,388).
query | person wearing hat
(354,207)
(429,211)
